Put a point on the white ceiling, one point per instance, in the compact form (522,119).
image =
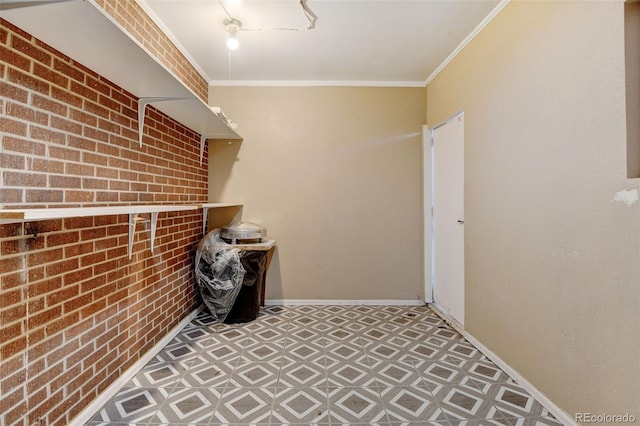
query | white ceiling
(393,42)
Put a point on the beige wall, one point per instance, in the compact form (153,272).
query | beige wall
(335,176)
(552,262)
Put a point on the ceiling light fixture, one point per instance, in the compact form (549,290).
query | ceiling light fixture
(233,26)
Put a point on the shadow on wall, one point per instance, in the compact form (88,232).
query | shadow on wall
(223,154)
(273,284)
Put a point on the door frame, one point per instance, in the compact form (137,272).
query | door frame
(428,182)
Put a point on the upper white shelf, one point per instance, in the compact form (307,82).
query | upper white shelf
(85,33)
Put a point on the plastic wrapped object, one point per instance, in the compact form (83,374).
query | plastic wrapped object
(219,275)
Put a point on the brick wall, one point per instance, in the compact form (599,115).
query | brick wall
(136,22)
(75,312)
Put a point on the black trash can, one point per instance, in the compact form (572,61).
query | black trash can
(247,305)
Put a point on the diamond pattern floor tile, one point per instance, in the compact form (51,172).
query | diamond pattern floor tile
(300,405)
(324,365)
(245,406)
(356,405)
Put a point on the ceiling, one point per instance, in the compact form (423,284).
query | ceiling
(354,42)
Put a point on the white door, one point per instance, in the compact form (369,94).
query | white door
(448,217)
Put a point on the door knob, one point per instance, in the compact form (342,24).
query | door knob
(460,221)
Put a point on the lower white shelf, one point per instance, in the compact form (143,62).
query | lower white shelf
(134,212)
(23,215)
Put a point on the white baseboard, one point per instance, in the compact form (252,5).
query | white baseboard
(560,415)
(296,302)
(85,415)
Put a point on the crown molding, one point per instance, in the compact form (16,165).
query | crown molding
(314,83)
(468,39)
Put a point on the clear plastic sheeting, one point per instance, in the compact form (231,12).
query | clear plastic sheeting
(219,274)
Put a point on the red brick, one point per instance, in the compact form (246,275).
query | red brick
(62,295)
(96,159)
(96,109)
(25,113)
(77,303)
(88,183)
(10,196)
(24,146)
(96,134)
(12,347)
(81,143)
(8,161)
(93,233)
(42,226)
(78,249)
(28,81)
(12,91)
(12,314)
(12,380)
(77,276)
(107,197)
(43,196)
(64,153)
(93,308)
(98,85)
(13,127)
(13,280)
(28,49)
(110,103)
(61,324)
(80,169)
(115,185)
(83,91)
(47,135)
(45,165)
(82,117)
(24,179)
(44,317)
(105,267)
(66,125)
(79,196)
(15,399)
(49,105)
(43,257)
(61,267)
(10,247)
(77,329)
(78,222)
(54,240)
(9,264)
(64,182)
(50,75)
(66,97)
(68,70)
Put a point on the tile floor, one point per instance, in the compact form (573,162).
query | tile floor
(326,365)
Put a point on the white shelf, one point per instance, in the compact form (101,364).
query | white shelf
(214,205)
(134,212)
(22,215)
(85,33)
(265,245)
(205,212)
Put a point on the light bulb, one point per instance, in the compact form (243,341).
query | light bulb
(232,42)
(232,26)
